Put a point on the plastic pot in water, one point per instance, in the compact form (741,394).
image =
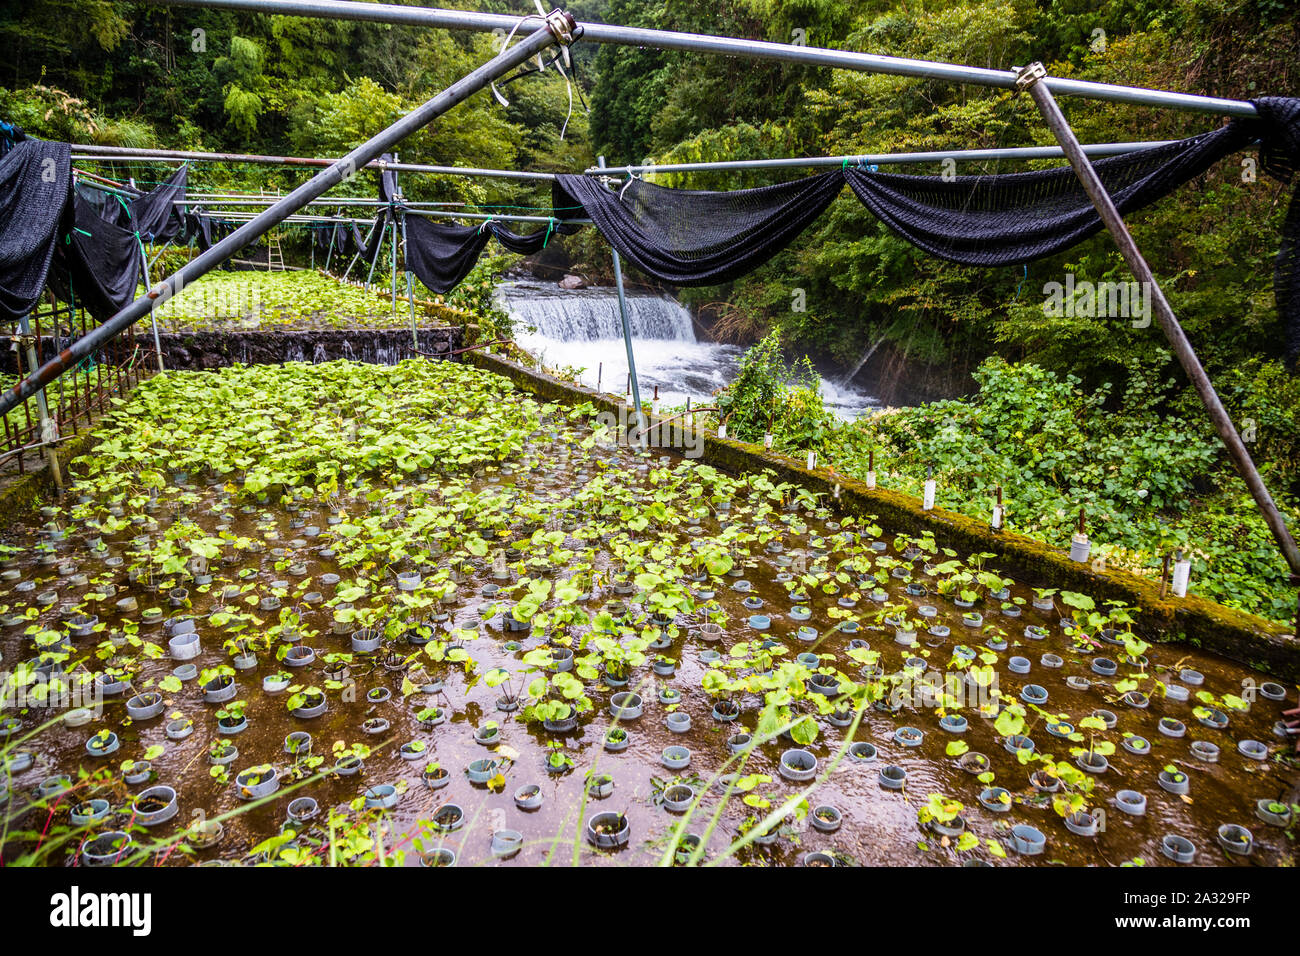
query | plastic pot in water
(1019,665)
(678,722)
(383,796)
(1131,802)
(154,806)
(90,811)
(626,705)
(908,737)
(1028,840)
(1236,839)
(862,752)
(180,728)
(434,777)
(1272,691)
(995,799)
(1206,751)
(678,798)
(506,843)
(1060,728)
(1174,781)
(1177,848)
(953,723)
(219,690)
(1092,763)
(1171,727)
(529,797)
(298,743)
(299,656)
(1034,694)
(1082,823)
(276,683)
(1253,749)
(1273,812)
(1135,744)
(257,782)
(1104,666)
(1213,718)
(184,647)
(102,744)
(1107,717)
(737,743)
(608,830)
(442,856)
(797,764)
(818,858)
(892,777)
(617,740)
(366,640)
(675,758)
(826,818)
(726,710)
(145,706)
(106,849)
(1014,743)
(481,771)
(302,809)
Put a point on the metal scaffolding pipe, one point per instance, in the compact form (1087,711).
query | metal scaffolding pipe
(1033,80)
(1095,150)
(92,152)
(542,38)
(728,46)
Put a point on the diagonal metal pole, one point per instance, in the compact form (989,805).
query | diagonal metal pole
(1031,80)
(557,28)
(641,424)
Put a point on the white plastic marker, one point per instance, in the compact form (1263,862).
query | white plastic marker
(1182,575)
(928,503)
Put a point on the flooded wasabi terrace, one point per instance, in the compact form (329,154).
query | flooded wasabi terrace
(315,614)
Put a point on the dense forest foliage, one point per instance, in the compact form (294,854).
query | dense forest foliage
(1064,410)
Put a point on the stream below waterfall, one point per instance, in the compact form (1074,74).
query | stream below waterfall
(581,329)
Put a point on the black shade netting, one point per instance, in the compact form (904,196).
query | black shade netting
(35,182)
(1018,217)
(98,261)
(158,214)
(322,237)
(696,237)
(442,255)
(528,244)
(107,203)
(1279,156)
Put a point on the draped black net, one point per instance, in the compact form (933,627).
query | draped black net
(35,177)
(695,237)
(97,261)
(529,244)
(156,215)
(441,255)
(1018,217)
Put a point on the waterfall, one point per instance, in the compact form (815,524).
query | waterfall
(348,352)
(576,315)
(319,355)
(294,353)
(579,333)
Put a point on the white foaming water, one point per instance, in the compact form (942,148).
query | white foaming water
(581,329)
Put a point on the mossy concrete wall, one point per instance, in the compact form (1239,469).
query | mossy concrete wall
(1242,637)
